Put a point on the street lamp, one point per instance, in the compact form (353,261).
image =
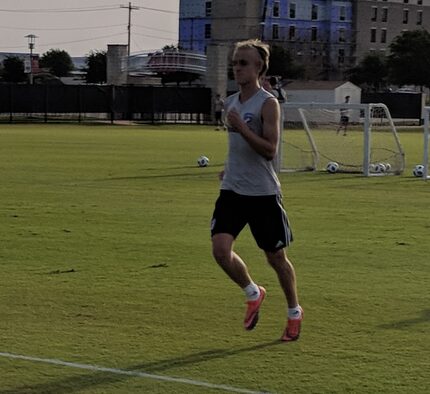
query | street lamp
(31,42)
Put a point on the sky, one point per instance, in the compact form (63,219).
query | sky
(80,26)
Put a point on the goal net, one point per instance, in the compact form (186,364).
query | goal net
(358,138)
(426,174)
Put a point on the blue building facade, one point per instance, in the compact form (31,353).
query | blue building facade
(195,24)
(318,33)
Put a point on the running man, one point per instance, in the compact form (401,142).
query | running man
(250,190)
(344,118)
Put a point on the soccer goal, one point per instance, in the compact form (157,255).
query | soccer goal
(357,138)
(426,175)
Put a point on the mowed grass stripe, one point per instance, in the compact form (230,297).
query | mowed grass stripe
(105,258)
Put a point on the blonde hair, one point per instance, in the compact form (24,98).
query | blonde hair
(262,49)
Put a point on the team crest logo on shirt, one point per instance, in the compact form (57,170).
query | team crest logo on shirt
(248,117)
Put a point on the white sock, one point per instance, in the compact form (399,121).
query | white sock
(295,313)
(252,292)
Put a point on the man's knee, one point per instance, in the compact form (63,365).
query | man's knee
(278,260)
(222,248)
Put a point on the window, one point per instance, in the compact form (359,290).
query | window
(384,16)
(373,35)
(292,33)
(314,15)
(208,11)
(383,36)
(406,1)
(374,14)
(419,18)
(420,2)
(341,35)
(314,34)
(405,16)
(275,32)
(292,12)
(275,11)
(207,30)
(342,13)
(341,56)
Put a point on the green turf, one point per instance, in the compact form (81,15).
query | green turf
(105,260)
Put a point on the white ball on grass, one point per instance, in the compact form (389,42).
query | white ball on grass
(380,168)
(418,170)
(332,167)
(203,161)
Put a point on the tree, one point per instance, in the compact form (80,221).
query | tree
(409,59)
(57,61)
(371,71)
(282,64)
(13,69)
(96,67)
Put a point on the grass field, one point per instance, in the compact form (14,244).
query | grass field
(105,261)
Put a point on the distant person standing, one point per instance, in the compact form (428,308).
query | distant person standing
(250,189)
(344,118)
(219,107)
(277,90)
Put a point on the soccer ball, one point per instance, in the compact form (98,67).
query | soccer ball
(332,167)
(371,167)
(418,170)
(202,161)
(380,168)
(387,167)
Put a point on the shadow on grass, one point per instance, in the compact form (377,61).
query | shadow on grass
(74,384)
(404,324)
(169,172)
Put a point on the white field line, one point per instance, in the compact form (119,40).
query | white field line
(125,372)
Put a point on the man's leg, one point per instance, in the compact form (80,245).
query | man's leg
(230,262)
(287,278)
(236,269)
(286,275)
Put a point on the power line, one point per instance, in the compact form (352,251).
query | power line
(155,29)
(60,28)
(160,10)
(60,10)
(158,37)
(86,39)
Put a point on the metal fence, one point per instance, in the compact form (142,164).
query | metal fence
(89,102)
(407,106)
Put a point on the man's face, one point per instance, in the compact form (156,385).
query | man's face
(246,65)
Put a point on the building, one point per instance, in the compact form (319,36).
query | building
(327,36)
(195,25)
(377,23)
(322,92)
(317,32)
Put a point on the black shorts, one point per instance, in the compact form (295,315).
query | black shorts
(218,115)
(344,119)
(265,215)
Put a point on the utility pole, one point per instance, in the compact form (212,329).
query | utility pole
(130,8)
(31,43)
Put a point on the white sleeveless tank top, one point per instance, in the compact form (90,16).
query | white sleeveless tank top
(246,172)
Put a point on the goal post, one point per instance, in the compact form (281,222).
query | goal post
(426,175)
(359,138)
